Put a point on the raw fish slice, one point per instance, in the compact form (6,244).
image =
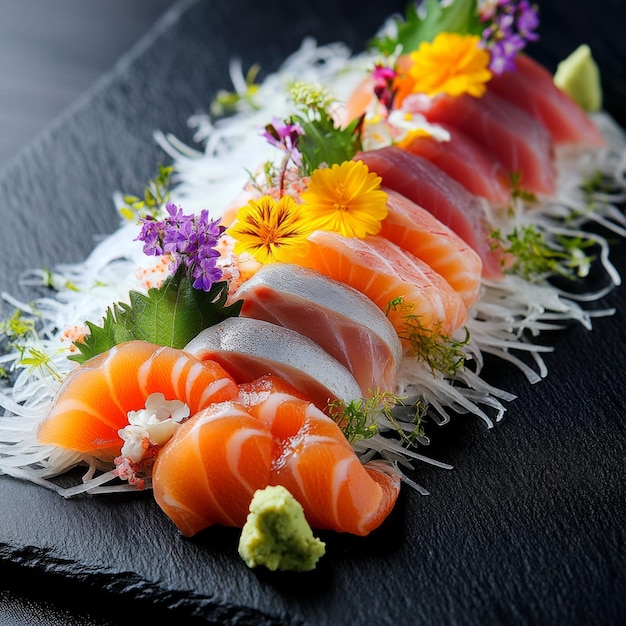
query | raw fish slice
(209,470)
(531,87)
(315,462)
(345,323)
(467,161)
(520,142)
(95,398)
(426,185)
(419,232)
(384,272)
(249,348)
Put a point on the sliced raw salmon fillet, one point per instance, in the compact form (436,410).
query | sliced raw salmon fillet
(466,161)
(248,348)
(344,322)
(209,470)
(425,184)
(315,462)
(419,232)
(384,272)
(530,86)
(519,141)
(93,402)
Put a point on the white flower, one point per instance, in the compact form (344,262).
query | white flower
(153,425)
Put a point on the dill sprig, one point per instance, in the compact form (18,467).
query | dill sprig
(35,359)
(359,419)
(155,195)
(17,329)
(529,254)
(440,352)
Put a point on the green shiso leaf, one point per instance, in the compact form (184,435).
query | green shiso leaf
(460,16)
(171,315)
(323,142)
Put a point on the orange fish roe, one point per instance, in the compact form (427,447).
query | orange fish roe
(152,277)
(73,334)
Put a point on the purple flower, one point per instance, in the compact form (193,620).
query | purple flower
(205,274)
(189,239)
(285,135)
(510,24)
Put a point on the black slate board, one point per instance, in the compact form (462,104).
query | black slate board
(529,526)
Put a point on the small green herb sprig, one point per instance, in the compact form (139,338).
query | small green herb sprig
(20,334)
(359,419)
(530,255)
(228,102)
(156,195)
(440,352)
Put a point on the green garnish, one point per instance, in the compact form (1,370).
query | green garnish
(359,419)
(156,194)
(440,352)
(536,258)
(17,328)
(227,102)
(37,359)
(437,17)
(322,141)
(170,316)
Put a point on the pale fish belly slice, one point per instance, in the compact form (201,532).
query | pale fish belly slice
(343,321)
(402,286)
(248,349)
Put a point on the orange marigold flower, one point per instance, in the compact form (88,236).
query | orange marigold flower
(271,231)
(452,64)
(346,198)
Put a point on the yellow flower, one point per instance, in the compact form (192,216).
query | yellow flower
(346,199)
(271,231)
(452,64)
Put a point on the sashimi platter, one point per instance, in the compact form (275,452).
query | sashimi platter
(295,304)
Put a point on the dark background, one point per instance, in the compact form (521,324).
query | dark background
(527,529)
(53,51)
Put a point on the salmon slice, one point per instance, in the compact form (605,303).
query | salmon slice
(419,232)
(519,141)
(209,470)
(426,185)
(248,348)
(466,161)
(95,398)
(344,322)
(315,462)
(384,272)
(531,87)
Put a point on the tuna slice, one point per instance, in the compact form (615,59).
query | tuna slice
(419,232)
(248,349)
(344,322)
(425,184)
(531,88)
(396,281)
(467,161)
(520,142)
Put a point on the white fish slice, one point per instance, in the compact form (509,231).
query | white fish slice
(249,348)
(343,321)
